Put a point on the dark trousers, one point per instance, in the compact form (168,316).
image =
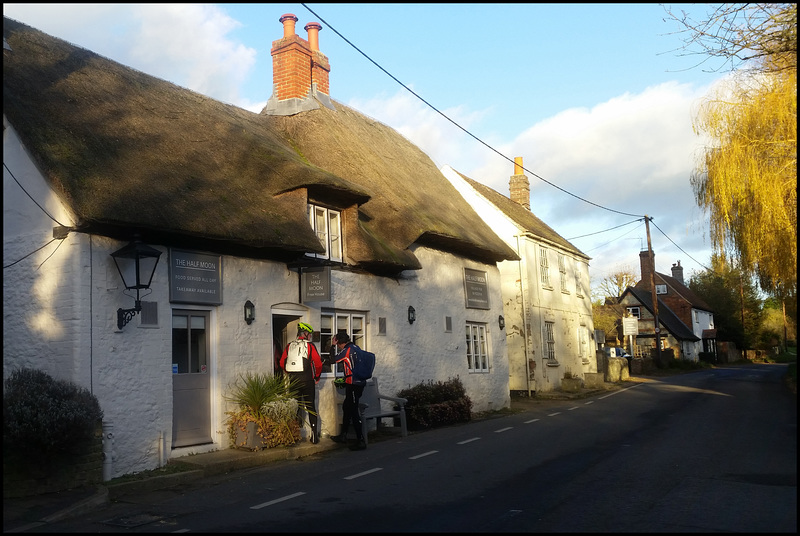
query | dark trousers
(307,398)
(352,394)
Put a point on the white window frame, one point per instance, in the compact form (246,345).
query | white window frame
(544,268)
(562,268)
(549,342)
(355,324)
(661,289)
(477,348)
(635,311)
(327,225)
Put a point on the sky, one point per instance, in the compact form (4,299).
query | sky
(598,99)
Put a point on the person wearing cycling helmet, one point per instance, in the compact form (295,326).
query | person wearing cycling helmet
(353,391)
(301,361)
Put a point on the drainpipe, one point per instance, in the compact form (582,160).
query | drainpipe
(108,450)
(524,321)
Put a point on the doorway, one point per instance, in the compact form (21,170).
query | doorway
(191,384)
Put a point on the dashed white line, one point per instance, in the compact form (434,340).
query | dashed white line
(418,456)
(357,475)
(507,428)
(468,441)
(530,421)
(570,409)
(270,503)
(554,414)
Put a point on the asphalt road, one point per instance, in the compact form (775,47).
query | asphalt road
(709,451)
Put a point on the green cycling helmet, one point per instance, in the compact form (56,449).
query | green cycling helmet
(302,326)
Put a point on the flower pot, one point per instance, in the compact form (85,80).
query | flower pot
(571,385)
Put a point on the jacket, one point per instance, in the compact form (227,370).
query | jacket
(346,359)
(314,360)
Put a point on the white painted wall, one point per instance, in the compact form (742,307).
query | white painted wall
(527,305)
(60,308)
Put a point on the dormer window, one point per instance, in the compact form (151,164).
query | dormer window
(327,224)
(661,289)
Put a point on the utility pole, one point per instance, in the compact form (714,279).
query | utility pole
(653,291)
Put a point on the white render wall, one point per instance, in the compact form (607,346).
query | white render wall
(60,307)
(527,306)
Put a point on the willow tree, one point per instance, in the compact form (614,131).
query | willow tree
(746,178)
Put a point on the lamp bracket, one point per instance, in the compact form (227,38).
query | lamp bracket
(126,315)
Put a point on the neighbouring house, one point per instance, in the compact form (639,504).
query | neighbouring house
(686,322)
(309,211)
(546,299)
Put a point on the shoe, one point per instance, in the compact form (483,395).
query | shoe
(361,445)
(339,438)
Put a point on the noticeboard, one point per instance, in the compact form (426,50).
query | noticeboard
(476,289)
(195,278)
(630,326)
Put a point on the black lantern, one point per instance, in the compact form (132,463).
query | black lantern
(136,264)
(412,315)
(249,312)
(501,322)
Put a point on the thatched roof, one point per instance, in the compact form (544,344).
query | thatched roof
(524,218)
(129,152)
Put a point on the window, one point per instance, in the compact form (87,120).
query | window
(544,269)
(550,343)
(327,223)
(354,324)
(696,317)
(634,311)
(578,287)
(477,352)
(562,268)
(661,289)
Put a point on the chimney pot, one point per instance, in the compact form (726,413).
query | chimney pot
(518,186)
(518,165)
(288,20)
(313,29)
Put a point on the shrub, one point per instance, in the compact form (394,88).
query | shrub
(431,404)
(47,415)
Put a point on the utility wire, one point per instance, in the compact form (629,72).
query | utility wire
(43,210)
(32,199)
(459,126)
(606,230)
(680,248)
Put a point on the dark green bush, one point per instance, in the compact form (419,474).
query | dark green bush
(431,404)
(46,415)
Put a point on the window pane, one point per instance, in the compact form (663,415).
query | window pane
(335,231)
(321,226)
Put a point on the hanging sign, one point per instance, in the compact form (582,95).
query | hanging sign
(316,284)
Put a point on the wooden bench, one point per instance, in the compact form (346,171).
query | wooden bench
(371,406)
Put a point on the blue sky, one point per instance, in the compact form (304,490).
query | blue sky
(598,99)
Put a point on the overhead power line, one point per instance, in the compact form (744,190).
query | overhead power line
(432,107)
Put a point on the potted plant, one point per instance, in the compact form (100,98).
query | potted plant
(266,413)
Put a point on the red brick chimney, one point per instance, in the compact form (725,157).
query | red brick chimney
(300,72)
(646,268)
(518,185)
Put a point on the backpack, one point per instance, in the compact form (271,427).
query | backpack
(363,365)
(297,351)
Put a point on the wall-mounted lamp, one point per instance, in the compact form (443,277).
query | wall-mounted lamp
(249,312)
(412,315)
(136,264)
(501,321)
